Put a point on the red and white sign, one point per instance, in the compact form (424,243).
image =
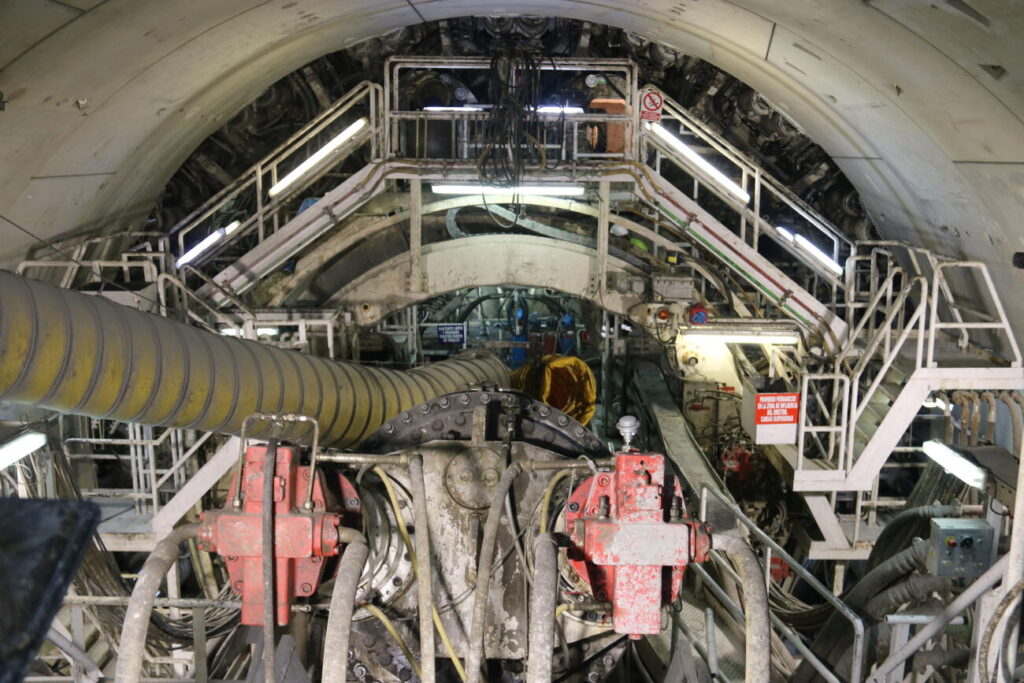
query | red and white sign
(651,103)
(773,409)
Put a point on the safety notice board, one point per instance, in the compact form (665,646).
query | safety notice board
(771,418)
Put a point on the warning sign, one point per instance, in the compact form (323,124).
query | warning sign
(650,106)
(773,409)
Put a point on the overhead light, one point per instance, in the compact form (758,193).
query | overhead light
(810,248)
(260,331)
(545,190)
(555,109)
(207,242)
(702,163)
(466,107)
(318,156)
(955,463)
(781,339)
(20,446)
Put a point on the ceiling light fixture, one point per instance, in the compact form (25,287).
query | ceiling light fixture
(701,163)
(317,157)
(207,242)
(955,463)
(19,447)
(522,190)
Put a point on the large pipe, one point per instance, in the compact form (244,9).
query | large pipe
(758,631)
(140,606)
(343,604)
(542,608)
(75,353)
(1016,419)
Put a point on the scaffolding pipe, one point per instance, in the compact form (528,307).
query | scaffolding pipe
(74,353)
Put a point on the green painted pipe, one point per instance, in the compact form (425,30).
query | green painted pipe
(76,353)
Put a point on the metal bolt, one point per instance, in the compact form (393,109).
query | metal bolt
(232,558)
(359,670)
(593,677)
(562,421)
(425,408)
(444,403)
(608,660)
(490,477)
(306,588)
(578,431)
(352,503)
(544,411)
(238,586)
(406,417)
(465,475)
(396,581)
(314,560)
(574,507)
(464,399)
(485,398)
(389,428)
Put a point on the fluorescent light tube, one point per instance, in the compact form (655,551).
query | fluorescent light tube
(20,446)
(207,242)
(260,331)
(701,163)
(556,190)
(318,156)
(812,249)
(781,339)
(467,107)
(956,464)
(555,109)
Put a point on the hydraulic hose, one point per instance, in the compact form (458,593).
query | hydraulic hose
(914,589)
(980,586)
(1016,419)
(542,608)
(74,353)
(132,646)
(894,525)
(478,626)
(424,570)
(343,604)
(989,433)
(758,657)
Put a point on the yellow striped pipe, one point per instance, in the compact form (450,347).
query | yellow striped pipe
(76,353)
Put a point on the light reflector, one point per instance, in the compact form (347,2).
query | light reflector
(956,464)
(779,338)
(317,156)
(703,164)
(20,446)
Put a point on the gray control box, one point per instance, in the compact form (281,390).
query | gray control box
(960,548)
(672,287)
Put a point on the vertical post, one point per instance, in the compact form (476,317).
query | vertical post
(415,235)
(261,230)
(604,207)
(199,644)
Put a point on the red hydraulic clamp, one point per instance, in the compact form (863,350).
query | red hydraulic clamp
(302,538)
(625,529)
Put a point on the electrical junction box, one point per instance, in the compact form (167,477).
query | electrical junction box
(672,288)
(960,548)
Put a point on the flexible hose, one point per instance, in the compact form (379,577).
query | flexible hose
(542,608)
(86,355)
(989,433)
(758,657)
(343,604)
(424,571)
(478,627)
(913,589)
(1009,599)
(975,404)
(132,646)
(960,400)
(1016,419)
(913,514)
(892,568)
(980,586)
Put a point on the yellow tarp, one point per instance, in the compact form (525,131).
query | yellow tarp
(563,382)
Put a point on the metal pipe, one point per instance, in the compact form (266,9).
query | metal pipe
(74,353)
(975,404)
(478,626)
(268,561)
(542,609)
(132,646)
(758,634)
(424,569)
(343,604)
(960,400)
(989,433)
(1015,418)
(977,589)
(80,656)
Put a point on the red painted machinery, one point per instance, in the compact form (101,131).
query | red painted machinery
(626,527)
(303,539)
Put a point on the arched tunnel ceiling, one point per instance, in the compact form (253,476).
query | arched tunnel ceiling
(920,103)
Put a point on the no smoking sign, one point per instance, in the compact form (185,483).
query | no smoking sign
(650,106)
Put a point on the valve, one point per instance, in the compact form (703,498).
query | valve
(627,525)
(303,539)
(697,314)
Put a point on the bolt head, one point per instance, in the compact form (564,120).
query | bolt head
(306,588)
(352,503)
(574,507)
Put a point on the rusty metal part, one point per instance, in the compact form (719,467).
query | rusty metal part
(625,528)
(81,354)
(302,539)
(450,418)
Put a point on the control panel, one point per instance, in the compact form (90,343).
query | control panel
(960,548)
